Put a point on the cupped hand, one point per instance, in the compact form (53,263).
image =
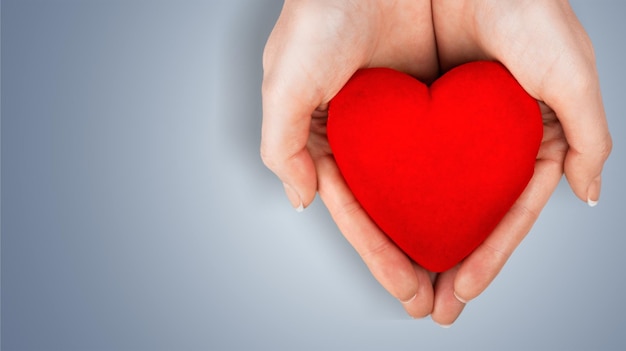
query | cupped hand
(547,50)
(314,49)
(317,45)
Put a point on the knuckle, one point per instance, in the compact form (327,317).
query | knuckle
(526,214)
(583,80)
(268,156)
(497,254)
(276,157)
(378,249)
(606,147)
(347,210)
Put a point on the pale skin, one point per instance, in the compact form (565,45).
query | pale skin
(317,45)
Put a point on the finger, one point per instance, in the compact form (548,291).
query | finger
(422,306)
(289,98)
(480,268)
(285,132)
(447,307)
(287,107)
(298,77)
(578,105)
(569,84)
(389,265)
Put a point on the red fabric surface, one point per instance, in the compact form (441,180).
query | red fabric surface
(436,167)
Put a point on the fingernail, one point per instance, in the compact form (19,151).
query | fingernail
(444,326)
(459,298)
(409,300)
(593,192)
(293,197)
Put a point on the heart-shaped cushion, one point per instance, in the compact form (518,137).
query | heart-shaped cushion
(437,167)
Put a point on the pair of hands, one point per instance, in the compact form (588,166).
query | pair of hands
(317,45)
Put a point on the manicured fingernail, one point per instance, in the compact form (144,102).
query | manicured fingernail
(593,192)
(444,326)
(459,298)
(409,300)
(293,197)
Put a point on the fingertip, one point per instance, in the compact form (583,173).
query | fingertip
(420,305)
(446,308)
(296,170)
(583,169)
(414,304)
(476,273)
(459,298)
(466,282)
(584,182)
(593,192)
(294,197)
(409,300)
(465,290)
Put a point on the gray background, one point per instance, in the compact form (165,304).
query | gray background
(137,215)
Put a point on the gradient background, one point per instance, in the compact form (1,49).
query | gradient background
(137,215)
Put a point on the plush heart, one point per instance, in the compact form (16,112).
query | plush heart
(436,167)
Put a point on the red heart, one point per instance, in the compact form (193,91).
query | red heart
(436,168)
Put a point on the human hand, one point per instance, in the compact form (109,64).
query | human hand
(306,62)
(314,49)
(547,50)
